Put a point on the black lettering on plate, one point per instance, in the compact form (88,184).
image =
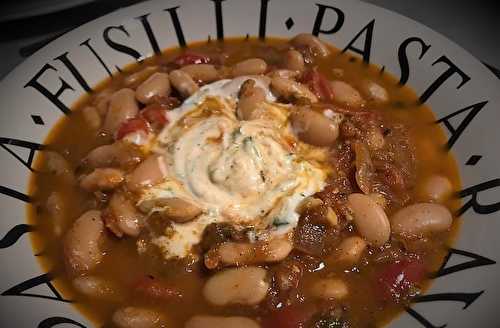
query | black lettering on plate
(473,202)
(452,69)
(76,73)
(177,25)
(417,316)
(219,21)
(263,19)
(54,321)
(477,261)
(365,52)
(44,279)
(149,33)
(118,46)
(53,97)
(403,56)
(32,146)
(15,194)
(14,234)
(455,133)
(317,29)
(88,45)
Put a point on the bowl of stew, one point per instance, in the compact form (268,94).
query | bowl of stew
(305,165)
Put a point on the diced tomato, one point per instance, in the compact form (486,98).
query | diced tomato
(318,84)
(396,280)
(155,114)
(189,58)
(293,316)
(150,287)
(132,125)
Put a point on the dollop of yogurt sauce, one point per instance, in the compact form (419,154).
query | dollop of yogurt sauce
(251,174)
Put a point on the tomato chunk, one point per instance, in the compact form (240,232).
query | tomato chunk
(318,84)
(398,279)
(132,125)
(293,316)
(189,58)
(150,287)
(155,114)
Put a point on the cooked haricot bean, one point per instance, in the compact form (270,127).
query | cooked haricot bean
(345,94)
(133,80)
(250,97)
(283,73)
(313,127)
(421,218)
(125,219)
(92,117)
(374,92)
(370,219)
(291,90)
(150,172)
(202,73)
(93,286)
(330,289)
(115,154)
(58,165)
(309,41)
(436,188)
(178,209)
(351,249)
(253,66)
(157,85)
(57,210)
(122,106)
(364,168)
(294,61)
(331,217)
(102,179)
(82,243)
(134,317)
(183,83)
(234,253)
(246,285)
(209,321)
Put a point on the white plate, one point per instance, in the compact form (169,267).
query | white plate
(466,293)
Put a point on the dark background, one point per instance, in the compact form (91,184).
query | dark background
(26,25)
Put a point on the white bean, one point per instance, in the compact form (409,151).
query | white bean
(436,188)
(250,97)
(183,83)
(351,249)
(313,127)
(102,179)
(330,289)
(309,41)
(370,219)
(208,321)
(374,92)
(82,243)
(253,66)
(202,73)
(345,94)
(246,285)
(115,154)
(283,73)
(150,172)
(125,219)
(290,90)
(134,79)
(294,61)
(157,85)
(177,209)
(57,210)
(234,253)
(122,106)
(92,286)
(92,117)
(421,218)
(134,317)
(59,166)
